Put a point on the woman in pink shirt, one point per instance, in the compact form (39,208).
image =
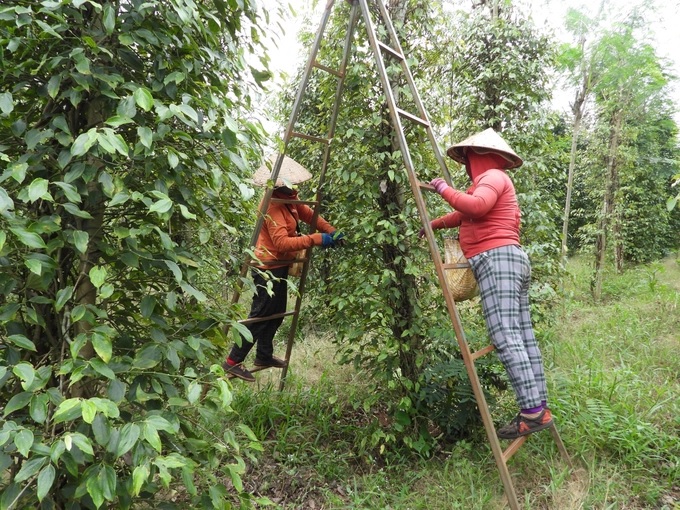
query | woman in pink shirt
(488,218)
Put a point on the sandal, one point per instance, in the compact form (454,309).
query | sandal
(523,425)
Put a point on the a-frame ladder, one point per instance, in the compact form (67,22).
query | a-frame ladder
(325,142)
(391,49)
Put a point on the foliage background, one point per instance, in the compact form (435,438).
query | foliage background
(127,136)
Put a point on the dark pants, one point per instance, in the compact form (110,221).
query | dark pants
(264,305)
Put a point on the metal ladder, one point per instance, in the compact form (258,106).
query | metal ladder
(392,50)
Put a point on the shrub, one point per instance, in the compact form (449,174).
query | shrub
(122,156)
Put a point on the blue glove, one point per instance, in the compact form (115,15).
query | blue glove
(338,238)
(327,240)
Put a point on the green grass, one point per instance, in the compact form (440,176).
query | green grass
(613,374)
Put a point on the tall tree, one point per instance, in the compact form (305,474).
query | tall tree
(648,229)
(631,75)
(577,60)
(124,142)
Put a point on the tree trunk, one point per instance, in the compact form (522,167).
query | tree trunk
(618,244)
(577,109)
(492,5)
(607,204)
(570,183)
(392,204)
(85,292)
(617,224)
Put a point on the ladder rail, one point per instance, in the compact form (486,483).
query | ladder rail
(346,53)
(341,74)
(412,85)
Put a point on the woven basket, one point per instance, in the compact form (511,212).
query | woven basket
(461,282)
(295,269)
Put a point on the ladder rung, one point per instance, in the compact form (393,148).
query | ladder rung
(251,370)
(268,318)
(412,117)
(328,69)
(514,446)
(325,141)
(482,352)
(391,51)
(255,368)
(293,201)
(279,262)
(457,265)
(426,186)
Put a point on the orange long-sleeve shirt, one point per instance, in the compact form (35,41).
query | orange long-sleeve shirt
(279,239)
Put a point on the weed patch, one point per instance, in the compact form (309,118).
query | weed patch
(612,369)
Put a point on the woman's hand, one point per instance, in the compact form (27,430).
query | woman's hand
(439,184)
(327,241)
(338,238)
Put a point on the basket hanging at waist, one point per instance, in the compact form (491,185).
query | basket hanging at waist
(295,269)
(461,282)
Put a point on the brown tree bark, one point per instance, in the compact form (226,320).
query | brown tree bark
(85,292)
(577,109)
(611,181)
(391,204)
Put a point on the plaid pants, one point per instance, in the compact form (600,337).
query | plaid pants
(503,275)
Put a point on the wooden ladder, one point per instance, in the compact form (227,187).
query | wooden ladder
(382,50)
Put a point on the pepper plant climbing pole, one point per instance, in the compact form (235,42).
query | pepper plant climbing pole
(387,49)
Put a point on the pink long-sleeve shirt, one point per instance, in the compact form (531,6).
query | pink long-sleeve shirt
(487,213)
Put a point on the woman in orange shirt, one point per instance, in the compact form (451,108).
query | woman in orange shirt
(278,240)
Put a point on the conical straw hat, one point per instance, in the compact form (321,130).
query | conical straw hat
(291,172)
(486,141)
